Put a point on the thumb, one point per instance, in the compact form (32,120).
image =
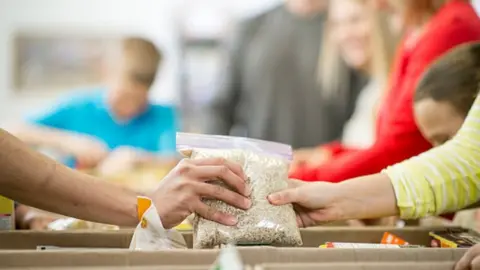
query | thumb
(284,197)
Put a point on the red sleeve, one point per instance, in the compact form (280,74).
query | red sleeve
(336,148)
(399,137)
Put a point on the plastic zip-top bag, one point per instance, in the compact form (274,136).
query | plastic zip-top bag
(266,167)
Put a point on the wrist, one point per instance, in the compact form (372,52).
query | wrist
(132,218)
(340,198)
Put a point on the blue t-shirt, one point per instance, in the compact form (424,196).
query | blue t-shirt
(154,130)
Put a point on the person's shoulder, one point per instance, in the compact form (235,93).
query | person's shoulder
(81,97)
(163,110)
(255,18)
(459,18)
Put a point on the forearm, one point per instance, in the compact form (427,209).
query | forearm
(41,136)
(366,197)
(442,180)
(33,179)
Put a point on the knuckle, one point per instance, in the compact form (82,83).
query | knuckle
(183,184)
(220,161)
(218,191)
(184,168)
(224,170)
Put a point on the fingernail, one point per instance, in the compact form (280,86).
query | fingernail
(248,191)
(247,203)
(273,198)
(232,221)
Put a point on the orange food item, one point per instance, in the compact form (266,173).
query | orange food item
(389,238)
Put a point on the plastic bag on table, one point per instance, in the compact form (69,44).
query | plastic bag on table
(266,166)
(150,234)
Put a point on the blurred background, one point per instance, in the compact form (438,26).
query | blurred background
(234,67)
(49,47)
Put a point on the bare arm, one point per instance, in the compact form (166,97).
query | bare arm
(367,197)
(360,198)
(41,136)
(33,179)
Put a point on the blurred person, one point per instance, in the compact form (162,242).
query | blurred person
(441,180)
(271,91)
(431,27)
(359,36)
(33,179)
(112,128)
(114,124)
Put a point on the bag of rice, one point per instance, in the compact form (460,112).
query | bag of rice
(266,166)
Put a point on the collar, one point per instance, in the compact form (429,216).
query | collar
(102,104)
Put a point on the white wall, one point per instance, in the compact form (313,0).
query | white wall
(153,18)
(145,17)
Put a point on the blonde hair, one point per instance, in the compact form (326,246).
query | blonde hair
(139,59)
(333,73)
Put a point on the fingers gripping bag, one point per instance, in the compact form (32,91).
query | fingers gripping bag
(266,166)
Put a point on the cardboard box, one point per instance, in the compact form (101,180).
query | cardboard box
(360,266)
(250,256)
(312,237)
(324,266)
(167,267)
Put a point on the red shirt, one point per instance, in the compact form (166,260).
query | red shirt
(398,137)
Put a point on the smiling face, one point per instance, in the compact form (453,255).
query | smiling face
(438,121)
(351,28)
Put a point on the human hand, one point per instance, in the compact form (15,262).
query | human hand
(309,157)
(314,202)
(301,156)
(87,151)
(32,219)
(119,160)
(181,192)
(40,222)
(471,259)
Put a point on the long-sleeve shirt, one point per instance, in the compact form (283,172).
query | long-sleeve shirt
(444,179)
(398,137)
(270,88)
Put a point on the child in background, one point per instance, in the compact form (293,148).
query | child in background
(112,128)
(116,121)
(442,101)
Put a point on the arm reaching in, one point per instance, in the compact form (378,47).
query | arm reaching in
(441,180)
(33,179)
(87,150)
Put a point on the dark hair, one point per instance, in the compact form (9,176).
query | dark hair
(453,78)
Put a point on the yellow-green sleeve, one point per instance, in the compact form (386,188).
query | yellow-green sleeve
(444,179)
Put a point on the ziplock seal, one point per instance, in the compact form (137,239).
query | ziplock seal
(192,140)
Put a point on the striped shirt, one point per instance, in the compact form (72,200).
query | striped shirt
(444,179)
